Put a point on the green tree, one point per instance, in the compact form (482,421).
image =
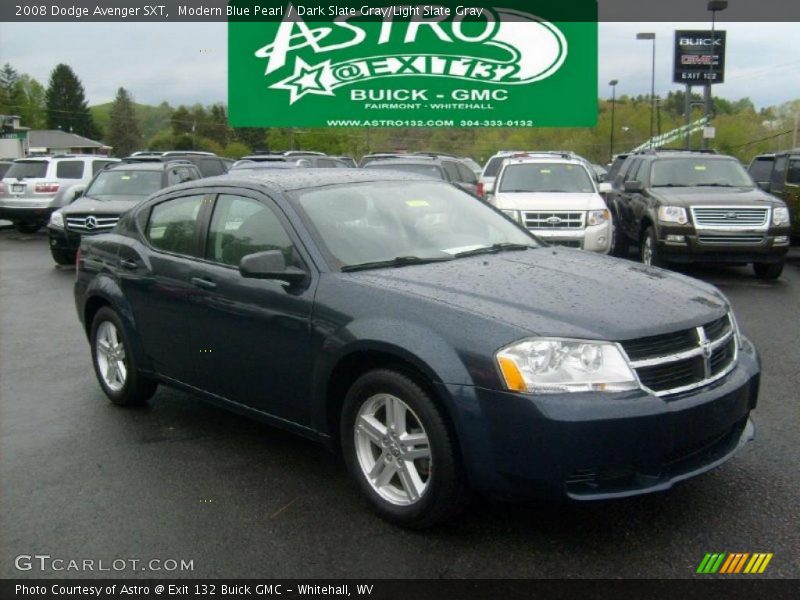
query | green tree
(65,102)
(8,78)
(124,132)
(181,121)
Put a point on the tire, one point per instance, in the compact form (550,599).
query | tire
(429,485)
(27,227)
(648,252)
(121,382)
(62,257)
(768,270)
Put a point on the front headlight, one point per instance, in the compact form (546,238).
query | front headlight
(553,365)
(514,214)
(672,214)
(56,219)
(780,216)
(597,217)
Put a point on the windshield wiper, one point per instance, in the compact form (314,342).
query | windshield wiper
(493,249)
(716,185)
(398,261)
(669,185)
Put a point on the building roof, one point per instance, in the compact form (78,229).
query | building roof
(55,138)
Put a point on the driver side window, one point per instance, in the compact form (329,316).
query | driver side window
(242,226)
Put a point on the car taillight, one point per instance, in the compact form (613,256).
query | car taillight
(78,260)
(46,188)
(479,189)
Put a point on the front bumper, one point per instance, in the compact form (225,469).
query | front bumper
(594,238)
(62,240)
(601,446)
(722,246)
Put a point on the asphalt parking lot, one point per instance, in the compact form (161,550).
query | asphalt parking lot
(82,479)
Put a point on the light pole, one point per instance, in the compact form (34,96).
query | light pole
(613,83)
(651,36)
(714,6)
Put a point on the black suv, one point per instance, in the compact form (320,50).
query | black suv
(431,339)
(112,192)
(681,206)
(779,174)
(208,163)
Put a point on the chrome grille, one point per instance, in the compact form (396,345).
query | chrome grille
(684,360)
(553,220)
(91,223)
(731,240)
(710,217)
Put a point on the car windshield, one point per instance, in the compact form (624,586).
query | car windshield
(124,183)
(546,177)
(418,169)
(24,169)
(367,224)
(694,171)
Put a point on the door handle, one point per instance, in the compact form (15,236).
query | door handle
(201,282)
(128,264)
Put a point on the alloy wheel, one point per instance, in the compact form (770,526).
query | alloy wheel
(393,449)
(110,353)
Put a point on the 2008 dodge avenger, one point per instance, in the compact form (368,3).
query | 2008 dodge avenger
(432,340)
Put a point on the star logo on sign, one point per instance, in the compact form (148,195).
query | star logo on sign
(307,79)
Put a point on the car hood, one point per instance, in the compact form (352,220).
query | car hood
(118,205)
(559,292)
(713,196)
(548,201)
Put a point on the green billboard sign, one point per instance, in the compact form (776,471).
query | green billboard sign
(413,65)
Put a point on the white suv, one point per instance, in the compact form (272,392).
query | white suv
(29,191)
(557,199)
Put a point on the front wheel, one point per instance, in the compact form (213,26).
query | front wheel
(768,270)
(649,249)
(114,362)
(400,451)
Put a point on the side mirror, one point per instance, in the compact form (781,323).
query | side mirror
(634,187)
(605,187)
(270,264)
(75,193)
(764,185)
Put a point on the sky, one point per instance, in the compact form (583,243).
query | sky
(186,63)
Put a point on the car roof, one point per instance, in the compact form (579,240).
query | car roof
(145,166)
(416,160)
(287,180)
(544,158)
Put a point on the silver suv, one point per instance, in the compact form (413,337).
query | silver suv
(32,188)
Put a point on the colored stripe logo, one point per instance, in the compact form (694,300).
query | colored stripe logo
(734,563)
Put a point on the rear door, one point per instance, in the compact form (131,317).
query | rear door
(156,277)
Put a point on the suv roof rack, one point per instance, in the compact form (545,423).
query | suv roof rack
(685,150)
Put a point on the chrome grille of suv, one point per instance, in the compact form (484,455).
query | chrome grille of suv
(677,362)
(91,223)
(709,217)
(553,220)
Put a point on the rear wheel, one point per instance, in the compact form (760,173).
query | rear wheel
(768,270)
(62,257)
(27,227)
(400,451)
(114,362)
(649,250)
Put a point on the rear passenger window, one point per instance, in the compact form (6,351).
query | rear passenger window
(210,167)
(69,169)
(172,224)
(793,172)
(466,174)
(451,170)
(242,226)
(326,163)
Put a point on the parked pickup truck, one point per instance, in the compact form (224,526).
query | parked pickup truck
(680,206)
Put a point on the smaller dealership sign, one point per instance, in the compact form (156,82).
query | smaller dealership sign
(699,57)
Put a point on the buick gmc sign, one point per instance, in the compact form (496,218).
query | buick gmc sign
(699,57)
